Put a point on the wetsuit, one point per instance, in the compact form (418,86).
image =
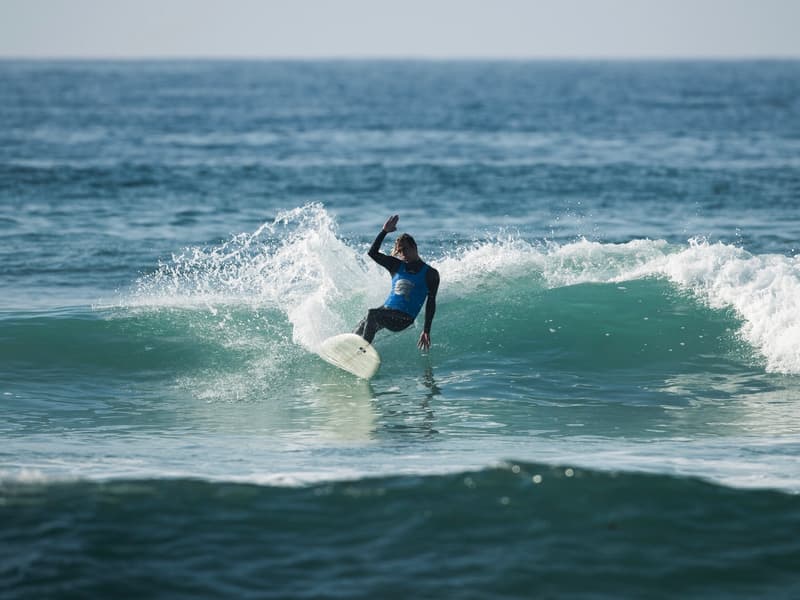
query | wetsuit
(412,283)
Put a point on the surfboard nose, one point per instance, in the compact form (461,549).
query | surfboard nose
(352,353)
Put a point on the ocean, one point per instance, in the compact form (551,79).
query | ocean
(609,407)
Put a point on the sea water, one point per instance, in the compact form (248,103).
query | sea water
(610,404)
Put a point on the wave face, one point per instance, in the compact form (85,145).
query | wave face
(518,530)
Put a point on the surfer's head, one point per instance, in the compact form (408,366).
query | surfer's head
(405,248)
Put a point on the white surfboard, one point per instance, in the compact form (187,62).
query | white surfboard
(352,353)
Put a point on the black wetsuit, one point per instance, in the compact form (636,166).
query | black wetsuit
(389,318)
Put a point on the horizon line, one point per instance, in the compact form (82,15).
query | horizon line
(405,58)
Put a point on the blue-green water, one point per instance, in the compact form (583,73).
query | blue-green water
(609,408)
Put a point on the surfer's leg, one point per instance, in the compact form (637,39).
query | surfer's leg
(395,320)
(378,318)
(369,325)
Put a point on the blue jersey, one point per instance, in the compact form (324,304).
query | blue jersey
(409,291)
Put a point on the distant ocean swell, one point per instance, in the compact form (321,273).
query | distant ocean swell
(519,529)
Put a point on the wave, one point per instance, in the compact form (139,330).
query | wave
(506,287)
(263,302)
(516,530)
(267,299)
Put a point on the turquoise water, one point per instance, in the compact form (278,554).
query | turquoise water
(609,405)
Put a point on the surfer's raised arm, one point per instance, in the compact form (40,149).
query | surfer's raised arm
(390,263)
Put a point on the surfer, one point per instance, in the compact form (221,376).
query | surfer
(412,282)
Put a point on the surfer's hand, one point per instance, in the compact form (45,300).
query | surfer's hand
(424,342)
(391,223)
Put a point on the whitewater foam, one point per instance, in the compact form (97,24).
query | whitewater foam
(763,290)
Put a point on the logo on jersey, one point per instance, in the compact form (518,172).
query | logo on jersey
(403,287)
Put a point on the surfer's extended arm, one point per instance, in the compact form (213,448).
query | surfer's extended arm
(432,279)
(390,263)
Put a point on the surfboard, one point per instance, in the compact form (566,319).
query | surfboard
(352,353)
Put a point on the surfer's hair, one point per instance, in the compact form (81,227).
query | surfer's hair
(402,241)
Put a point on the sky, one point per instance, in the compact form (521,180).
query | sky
(400,29)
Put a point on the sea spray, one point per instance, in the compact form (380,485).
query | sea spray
(295,264)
